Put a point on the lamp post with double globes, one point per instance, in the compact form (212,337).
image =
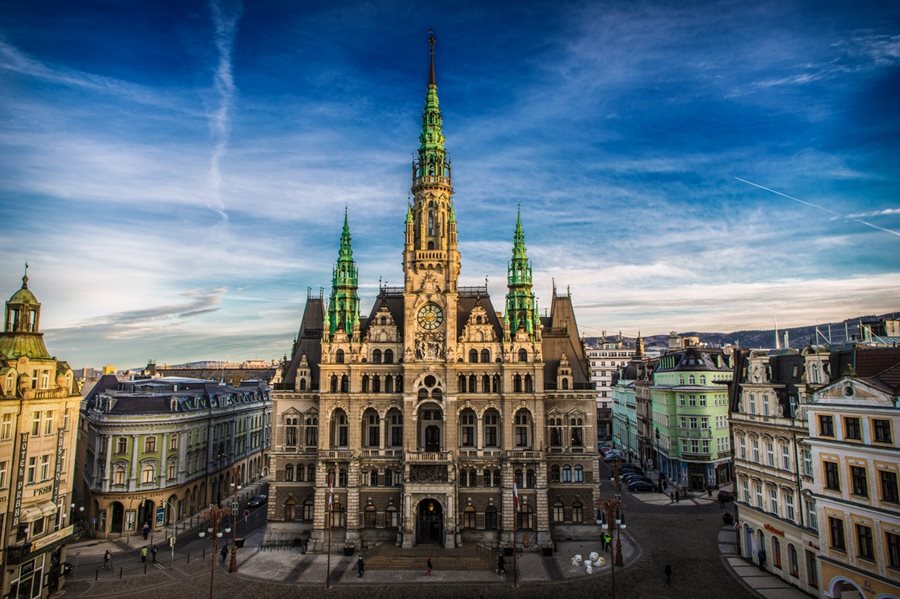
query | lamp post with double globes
(611,516)
(215,515)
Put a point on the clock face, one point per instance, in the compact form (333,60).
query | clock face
(430,317)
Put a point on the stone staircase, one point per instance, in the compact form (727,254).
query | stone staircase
(465,559)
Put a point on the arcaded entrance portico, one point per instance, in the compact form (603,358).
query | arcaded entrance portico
(429,522)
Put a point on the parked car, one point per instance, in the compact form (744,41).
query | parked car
(611,456)
(630,478)
(630,468)
(257,500)
(725,495)
(638,486)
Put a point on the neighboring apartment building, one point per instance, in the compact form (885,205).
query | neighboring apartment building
(854,422)
(425,414)
(38,419)
(153,451)
(689,399)
(772,463)
(606,356)
(626,420)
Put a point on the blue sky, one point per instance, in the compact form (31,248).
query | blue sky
(175,173)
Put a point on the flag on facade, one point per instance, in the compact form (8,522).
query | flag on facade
(515,497)
(330,492)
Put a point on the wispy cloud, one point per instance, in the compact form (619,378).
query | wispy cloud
(885,212)
(226,14)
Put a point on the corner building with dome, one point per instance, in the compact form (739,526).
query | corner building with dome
(428,414)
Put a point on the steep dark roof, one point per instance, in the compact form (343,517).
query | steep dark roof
(155,395)
(695,359)
(466,302)
(560,336)
(392,299)
(308,343)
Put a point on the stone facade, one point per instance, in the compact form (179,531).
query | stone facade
(427,414)
(155,450)
(38,424)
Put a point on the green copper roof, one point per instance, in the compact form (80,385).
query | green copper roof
(24,295)
(432,156)
(521,305)
(343,305)
(16,345)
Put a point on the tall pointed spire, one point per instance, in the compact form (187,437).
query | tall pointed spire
(432,160)
(431,42)
(521,306)
(343,305)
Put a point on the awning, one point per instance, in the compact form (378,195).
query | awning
(36,512)
(48,508)
(30,514)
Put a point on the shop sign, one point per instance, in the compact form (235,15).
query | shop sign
(20,478)
(774,530)
(60,453)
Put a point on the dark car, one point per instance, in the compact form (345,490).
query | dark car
(725,495)
(611,456)
(639,486)
(630,468)
(257,501)
(630,478)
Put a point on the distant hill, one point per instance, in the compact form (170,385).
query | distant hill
(839,332)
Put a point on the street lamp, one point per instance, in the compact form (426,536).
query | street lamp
(611,516)
(658,460)
(215,515)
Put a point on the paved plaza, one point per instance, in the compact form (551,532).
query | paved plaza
(687,535)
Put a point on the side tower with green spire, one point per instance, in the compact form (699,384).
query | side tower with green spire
(343,305)
(521,305)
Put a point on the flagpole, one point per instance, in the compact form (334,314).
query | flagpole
(329,517)
(515,529)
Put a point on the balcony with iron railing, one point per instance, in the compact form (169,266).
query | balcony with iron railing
(695,433)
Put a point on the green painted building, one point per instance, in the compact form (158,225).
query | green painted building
(689,399)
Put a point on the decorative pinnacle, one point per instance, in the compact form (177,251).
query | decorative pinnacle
(25,277)
(431,42)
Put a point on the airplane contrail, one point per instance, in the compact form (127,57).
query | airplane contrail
(829,210)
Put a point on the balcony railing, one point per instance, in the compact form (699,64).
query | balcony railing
(336,454)
(695,456)
(524,455)
(381,453)
(469,454)
(695,433)
(428,456)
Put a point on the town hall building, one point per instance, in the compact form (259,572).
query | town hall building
(437,418)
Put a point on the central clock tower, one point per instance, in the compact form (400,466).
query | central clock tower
(430,255)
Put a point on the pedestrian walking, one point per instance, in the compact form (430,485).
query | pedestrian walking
(153,551)
(501,565)
(428,567)
(677,496)
(107,560)
(146,530)
(709,492)
(144,554)
(360,567)
(672,496)
(607,541)
(761,554)
(668,574)
(224,553)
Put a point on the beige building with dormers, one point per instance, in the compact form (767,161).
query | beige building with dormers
(853,426)
(425,414)
(38,426)
(772,462)
(153,451)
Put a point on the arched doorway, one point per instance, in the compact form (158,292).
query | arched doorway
(430,522)
(844,588)
(147,514)
(118,517)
